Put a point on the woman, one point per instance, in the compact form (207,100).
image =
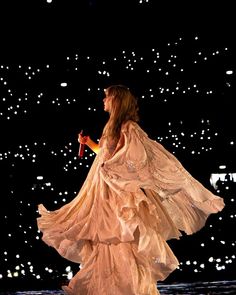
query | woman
(136,196)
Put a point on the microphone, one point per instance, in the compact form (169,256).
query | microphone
(81,147)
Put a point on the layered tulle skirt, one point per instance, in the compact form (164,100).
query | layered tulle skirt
(118,239)
(118,225)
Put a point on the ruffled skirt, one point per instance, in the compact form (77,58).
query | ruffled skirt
(119,237)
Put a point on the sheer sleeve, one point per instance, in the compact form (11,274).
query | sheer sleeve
(144,163)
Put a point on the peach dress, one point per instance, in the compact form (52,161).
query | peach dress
(136,196)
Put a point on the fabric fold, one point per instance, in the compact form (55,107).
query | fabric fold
(129,206)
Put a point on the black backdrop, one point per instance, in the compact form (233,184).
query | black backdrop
(36,34)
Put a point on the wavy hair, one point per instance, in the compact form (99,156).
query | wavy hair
(124,107)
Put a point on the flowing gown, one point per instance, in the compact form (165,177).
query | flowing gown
(136,196)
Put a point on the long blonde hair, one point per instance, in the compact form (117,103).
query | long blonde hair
(124,107)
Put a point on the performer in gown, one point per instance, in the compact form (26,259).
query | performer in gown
(136,196)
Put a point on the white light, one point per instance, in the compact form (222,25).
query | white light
(63,84)
(70,275)
(229,72)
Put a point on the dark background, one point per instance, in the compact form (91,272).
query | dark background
(36,34)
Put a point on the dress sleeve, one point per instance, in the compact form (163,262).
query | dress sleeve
(142,163)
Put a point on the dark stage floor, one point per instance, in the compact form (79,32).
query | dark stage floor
(209,288)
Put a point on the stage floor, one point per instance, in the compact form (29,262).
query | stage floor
(209,288)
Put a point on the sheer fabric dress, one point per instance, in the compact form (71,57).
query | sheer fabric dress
(136,196)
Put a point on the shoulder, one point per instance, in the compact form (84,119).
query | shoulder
(128,125)
(133,128)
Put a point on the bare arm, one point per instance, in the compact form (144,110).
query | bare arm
(92,145)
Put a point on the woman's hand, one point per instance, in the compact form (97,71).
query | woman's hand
(89,142)
(83,139)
